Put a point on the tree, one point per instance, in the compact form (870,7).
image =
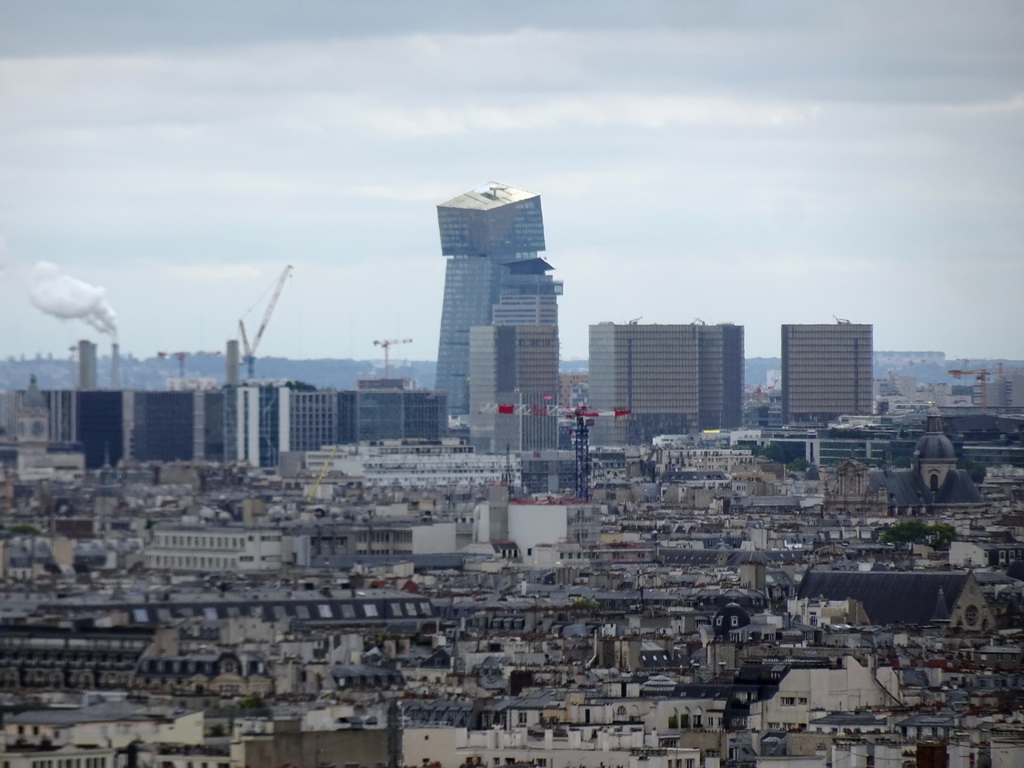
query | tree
(23,529)
(910,532)
(938,536)
(253,701)
(774,452)
(976,471)
(798,465)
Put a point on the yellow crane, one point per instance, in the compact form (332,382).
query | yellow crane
(982,375)
(322,475)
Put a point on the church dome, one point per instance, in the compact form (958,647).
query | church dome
(934,445)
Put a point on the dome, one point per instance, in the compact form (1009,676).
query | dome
(934,445)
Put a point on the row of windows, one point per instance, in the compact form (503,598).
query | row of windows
(300,610)
(75,762)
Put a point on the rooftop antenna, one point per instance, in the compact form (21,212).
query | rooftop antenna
(841,321)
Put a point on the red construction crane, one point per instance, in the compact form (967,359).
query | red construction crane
(580,418)
(387,344)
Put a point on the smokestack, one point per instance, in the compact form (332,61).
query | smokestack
(115,366)
(86,365)
(232,361)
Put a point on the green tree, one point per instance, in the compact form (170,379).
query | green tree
(941,535)
(976,471)
(798,465)
(910,532)
(938,536)
(774,452)
(23,529)
(253,701)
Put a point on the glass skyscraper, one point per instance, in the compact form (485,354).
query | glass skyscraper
(492,236)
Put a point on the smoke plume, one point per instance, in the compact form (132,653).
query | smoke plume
(59,294)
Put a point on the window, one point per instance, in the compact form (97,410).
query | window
(522,718)
(788,701)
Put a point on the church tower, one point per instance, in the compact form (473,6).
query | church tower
(33,427)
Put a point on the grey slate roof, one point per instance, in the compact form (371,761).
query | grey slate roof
(894,597)
(905,488)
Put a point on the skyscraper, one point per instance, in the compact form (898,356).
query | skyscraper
(513,365)
(826,372)
(673,379)
(492,236)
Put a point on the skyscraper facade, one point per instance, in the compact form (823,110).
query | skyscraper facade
(826,372)
(513,365)
(673,379)
(492,236)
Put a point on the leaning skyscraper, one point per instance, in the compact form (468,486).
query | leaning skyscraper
(492,236)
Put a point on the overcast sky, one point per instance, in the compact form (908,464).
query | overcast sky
(752,162)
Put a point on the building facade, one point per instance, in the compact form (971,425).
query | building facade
(491,236)
(673,379)
(826,372)
(513,365)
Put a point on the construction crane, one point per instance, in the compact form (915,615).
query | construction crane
(386,344)
(323,473)
(180,356)
(250,349)
(580,419)
(982,375)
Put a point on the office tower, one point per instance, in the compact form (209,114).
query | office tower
(826,372)
(673,379)
(513,365)
(162,425)
(101,427)
(391,414)
(314,417)
(86,365)
(491,236)
(261,416)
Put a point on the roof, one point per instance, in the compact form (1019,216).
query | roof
(491,195)
(905,488)
(893,597)
(105,712)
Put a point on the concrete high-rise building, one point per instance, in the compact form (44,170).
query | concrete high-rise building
(826,372)
(673,379)
(492,236)
(513,365)
(86,365)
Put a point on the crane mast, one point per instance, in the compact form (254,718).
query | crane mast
(387,344)
(250,350)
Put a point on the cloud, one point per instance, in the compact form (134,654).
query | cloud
(60,295)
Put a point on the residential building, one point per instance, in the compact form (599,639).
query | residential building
(673,379)
(826,372)
(202,549)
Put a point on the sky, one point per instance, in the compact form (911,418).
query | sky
(752,162)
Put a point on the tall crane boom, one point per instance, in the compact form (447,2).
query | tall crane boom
(387,344)
(250,350)
(982,375)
